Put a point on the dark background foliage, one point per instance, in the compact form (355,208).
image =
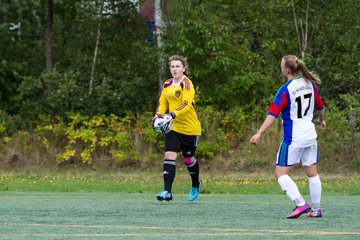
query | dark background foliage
(233,47)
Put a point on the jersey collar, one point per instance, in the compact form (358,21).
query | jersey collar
(176,84)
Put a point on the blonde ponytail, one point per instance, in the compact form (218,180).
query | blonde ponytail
(313,76)
(296,66)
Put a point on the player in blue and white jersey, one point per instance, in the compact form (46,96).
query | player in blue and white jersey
(297,101)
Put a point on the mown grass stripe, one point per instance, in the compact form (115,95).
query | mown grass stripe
(246,230)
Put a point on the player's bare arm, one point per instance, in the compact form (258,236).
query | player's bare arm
(322,123)
(266,124)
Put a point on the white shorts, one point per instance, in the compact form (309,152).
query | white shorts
(289,155)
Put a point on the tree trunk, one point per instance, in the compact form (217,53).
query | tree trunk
(159,29)
(48,51)
(98,35)
(306,29)
(303,35)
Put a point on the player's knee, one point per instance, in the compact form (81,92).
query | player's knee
(170,155)
(278,175)
(189,161)
(280,171)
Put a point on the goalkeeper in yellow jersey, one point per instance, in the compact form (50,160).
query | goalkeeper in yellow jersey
(178,99)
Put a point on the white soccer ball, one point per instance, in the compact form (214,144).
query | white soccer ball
(162,123)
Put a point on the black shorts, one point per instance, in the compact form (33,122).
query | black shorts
(176,142)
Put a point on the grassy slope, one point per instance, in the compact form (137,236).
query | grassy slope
(151,182)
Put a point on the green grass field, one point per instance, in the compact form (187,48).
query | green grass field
(152,182)
(105,205)
(105,215)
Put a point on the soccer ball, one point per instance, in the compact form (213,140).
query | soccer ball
(162,123)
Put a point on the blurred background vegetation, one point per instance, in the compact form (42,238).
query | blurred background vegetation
(79,80)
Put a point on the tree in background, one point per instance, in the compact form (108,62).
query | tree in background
(124,78)
(22,49)
(234,48)
(48,53)
(102,65)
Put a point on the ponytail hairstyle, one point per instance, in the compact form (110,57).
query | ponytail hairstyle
(183,60)
(297,66)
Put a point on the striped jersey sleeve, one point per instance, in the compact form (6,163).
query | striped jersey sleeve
(279,102)
(163,102)
(318,100)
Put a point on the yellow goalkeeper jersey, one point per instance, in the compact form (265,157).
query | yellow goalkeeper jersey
(180,99)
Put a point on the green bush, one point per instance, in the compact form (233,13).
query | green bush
(118,141)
